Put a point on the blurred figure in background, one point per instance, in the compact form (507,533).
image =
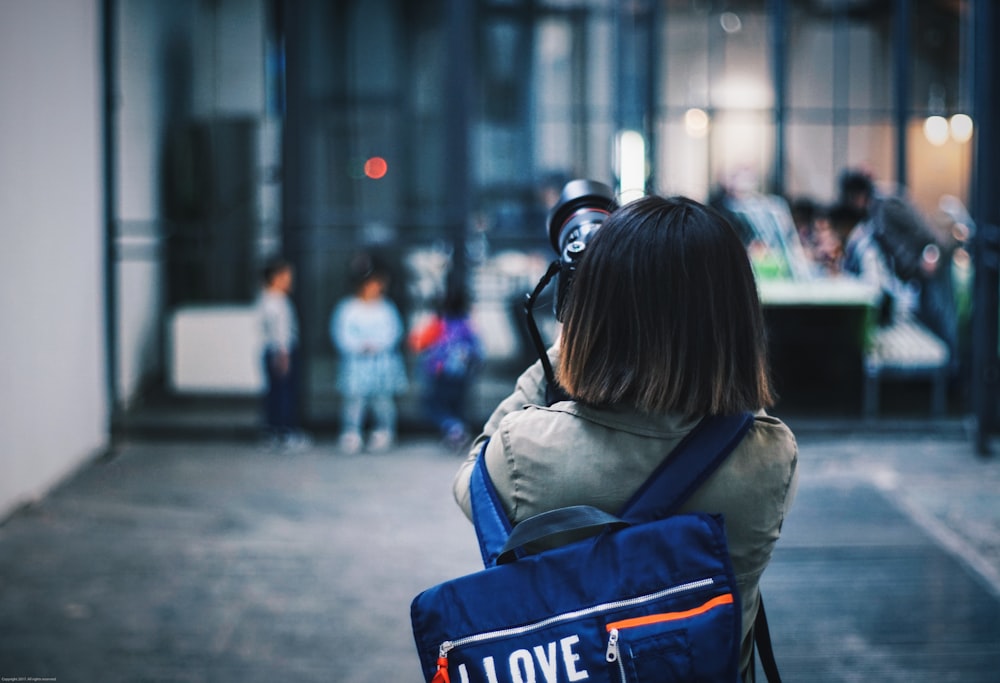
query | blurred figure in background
(450,353)
(366,328)
(823,245)
(893,245)
(280,328)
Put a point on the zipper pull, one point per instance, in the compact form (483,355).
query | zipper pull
(612,653)
(442,675)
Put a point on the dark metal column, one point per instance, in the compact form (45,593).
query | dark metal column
(985,210)
(458,89)
(655,53)
(293,171)
(633,46)
(841,87)
(901,77)
(779,60)
(109,28)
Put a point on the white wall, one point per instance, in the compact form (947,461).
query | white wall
(53,402)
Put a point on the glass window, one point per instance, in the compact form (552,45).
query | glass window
(716,97)
(938,138)
(555,103)
(869,62)
(810,63)
(742,78)
(682,155)
(547,120)
(839,97)
(684,48)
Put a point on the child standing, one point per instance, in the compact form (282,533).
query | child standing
(280,328)
(450,352)
(366,329)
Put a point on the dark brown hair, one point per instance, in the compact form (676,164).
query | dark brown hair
(274,266)
(663,315)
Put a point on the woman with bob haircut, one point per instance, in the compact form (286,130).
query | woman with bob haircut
(662,326)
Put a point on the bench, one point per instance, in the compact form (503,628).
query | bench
(905,350)
(216,350)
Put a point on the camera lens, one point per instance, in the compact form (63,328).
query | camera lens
(582,207)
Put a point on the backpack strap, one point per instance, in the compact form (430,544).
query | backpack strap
(691,462)
(488,516)
(762,639)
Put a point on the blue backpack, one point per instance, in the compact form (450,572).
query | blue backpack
(650,597)
(456,353)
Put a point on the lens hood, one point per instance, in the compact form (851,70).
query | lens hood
(576,195)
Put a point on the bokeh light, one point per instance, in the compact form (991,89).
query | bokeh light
(696,122)
(376,167)
(961,127)
(936,130)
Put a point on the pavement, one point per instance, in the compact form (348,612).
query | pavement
(217,560)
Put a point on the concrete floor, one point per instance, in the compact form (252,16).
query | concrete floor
(216,560)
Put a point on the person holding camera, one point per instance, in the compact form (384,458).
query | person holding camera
(661,326)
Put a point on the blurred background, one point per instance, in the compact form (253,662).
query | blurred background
(154,154)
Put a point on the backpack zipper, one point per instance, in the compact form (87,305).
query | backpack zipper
(613,655)
(614,628)
(449,645)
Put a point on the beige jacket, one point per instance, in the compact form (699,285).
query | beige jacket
(542,458)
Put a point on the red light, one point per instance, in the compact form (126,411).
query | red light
(376,168)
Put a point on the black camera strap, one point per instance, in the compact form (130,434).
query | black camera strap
(553,392)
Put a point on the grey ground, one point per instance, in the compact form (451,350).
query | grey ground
(217,560)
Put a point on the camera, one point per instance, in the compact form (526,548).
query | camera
(574,220)
(581,210)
